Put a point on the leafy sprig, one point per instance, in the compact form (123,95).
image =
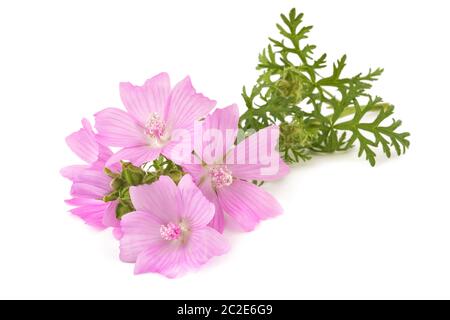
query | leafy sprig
(318,113)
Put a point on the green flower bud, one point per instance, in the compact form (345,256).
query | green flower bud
(117,183)
(290,85)
(176,176)
(131,174)
(297,135)
(123,208)
(110,173)
(150,178)
(124,193)
(111,196)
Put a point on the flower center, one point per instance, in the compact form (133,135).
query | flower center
(170,231)
(155,127)
(220,176)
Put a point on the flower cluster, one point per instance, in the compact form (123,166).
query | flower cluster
(169,173)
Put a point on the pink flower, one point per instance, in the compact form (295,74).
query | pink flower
(225,169)
(88,192)
(90,184)
(159,120)
(84,144)
(168,232)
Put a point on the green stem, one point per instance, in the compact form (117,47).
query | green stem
(351,110)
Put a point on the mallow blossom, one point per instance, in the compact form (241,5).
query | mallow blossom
(224,171)
(159,120)
(90,183)
(168,233)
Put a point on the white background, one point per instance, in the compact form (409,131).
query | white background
(348,231)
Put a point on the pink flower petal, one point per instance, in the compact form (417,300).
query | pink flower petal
(161,199)
(109,218)
(195,170)
(186,106)
(179,148)
(118,129)
(152,97)
(83,201)
(104,154)
(72,172)
(256,158)
(247,203)
(174,259)
(198,174)
(219,131)
(83,190)
(218,221)
(277,170)
(204,244)
(197,209)
(91,214)
(83,143)
(166,259)
(136,155)
(117,233)
(95,178)
(139,231)
(87,126)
